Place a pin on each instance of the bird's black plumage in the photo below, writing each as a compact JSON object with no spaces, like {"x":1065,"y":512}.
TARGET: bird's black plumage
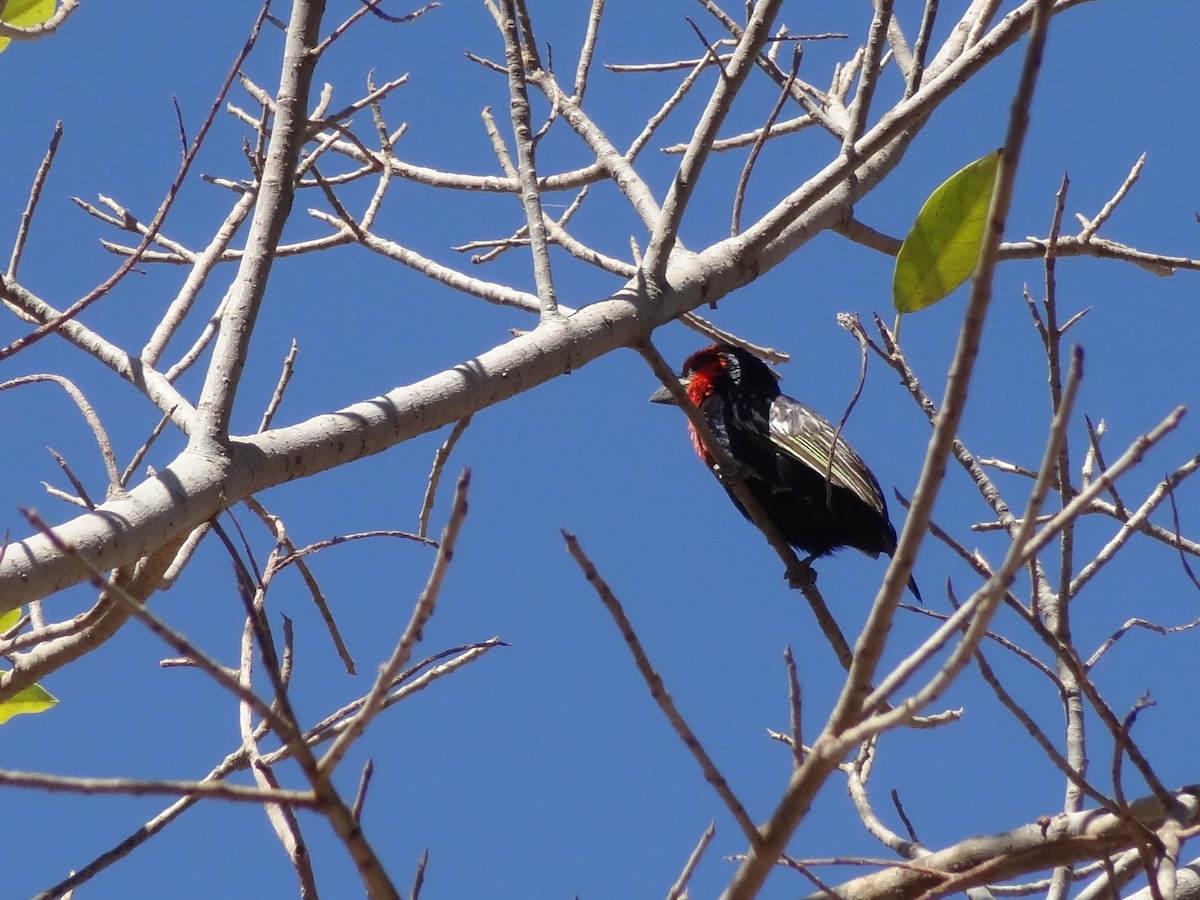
{"x":782,"y":450}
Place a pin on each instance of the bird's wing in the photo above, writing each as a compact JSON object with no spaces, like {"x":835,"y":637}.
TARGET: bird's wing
{"x":807,"y":436}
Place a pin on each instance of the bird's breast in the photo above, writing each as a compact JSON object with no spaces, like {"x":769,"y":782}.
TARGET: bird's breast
{"x":698,"y":446}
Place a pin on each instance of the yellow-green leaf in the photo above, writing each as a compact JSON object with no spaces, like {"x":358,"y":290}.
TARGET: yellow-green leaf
{"x":23,"y":13}
{"x":942,"y":249}
{"x":33,"y":699}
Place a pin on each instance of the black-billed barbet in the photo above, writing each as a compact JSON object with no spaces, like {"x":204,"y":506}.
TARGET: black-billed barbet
{"x":781,"y":449}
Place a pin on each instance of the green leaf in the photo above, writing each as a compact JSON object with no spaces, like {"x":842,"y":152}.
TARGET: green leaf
{"x":24,"y":13}
{"x":33,"y":699}
{"x":9,"y":619}
{"x":942,"y":249}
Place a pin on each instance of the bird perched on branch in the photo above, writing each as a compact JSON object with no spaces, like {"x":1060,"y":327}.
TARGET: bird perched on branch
{"x":781,"y":450}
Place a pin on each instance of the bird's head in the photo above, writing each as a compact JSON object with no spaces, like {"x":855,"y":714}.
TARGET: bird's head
{"x":722,"y":368}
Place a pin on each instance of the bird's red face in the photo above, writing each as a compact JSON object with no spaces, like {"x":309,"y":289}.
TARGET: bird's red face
{"x":702,"y":371}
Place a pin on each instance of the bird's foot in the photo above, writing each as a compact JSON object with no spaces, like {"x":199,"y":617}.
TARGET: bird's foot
{"x":801,"y":576}
{"x":738,"y":471}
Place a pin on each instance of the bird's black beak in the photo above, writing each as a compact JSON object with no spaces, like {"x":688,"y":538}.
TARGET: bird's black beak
{"x":662,"y":395}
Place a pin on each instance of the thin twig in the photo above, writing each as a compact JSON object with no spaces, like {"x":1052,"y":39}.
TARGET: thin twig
{"x":531,"y":194}
{"x":285,"y":376}
{"x":1129,"y":624}
{"x":795,"y":707}
{"x":80,"y":490}
{"x":1090,"y":228}
{"x":90,"y":416}
{"x":419,"y":875}
{"x":921,"y":48}
{"x":588,"y":48}
{"x":440,"y":458}
{"x":35,"y":194}
{"x":868,"y":77}
{"x":659,"y":692}
{"x":710,"y":51}
{"x":282,"y":818}
{"x":140,"y":787}
{"x":678,"y":890}
{"x":360,"y":797}
{"x":422,"y":610}
{"x":739,"y":193}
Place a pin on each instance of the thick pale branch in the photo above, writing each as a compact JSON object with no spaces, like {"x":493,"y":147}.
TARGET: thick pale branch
{"x":1060,"y":840}
{"x":92,"y":628}
{"x":274,"y":203}
{"x":198,"y":485}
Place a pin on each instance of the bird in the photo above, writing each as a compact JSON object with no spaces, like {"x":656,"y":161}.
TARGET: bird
{"x":781,"y":450}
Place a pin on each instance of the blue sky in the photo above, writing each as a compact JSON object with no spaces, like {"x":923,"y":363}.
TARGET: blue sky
{"x":545,"y":770}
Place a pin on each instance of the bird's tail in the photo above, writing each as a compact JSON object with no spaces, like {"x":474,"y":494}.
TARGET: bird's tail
{"x":916,"y":592}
